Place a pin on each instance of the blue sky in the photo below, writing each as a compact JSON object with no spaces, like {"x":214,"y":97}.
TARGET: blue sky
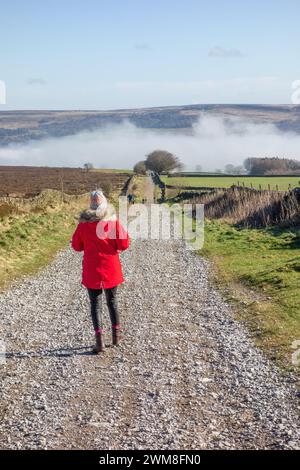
{"x":120,"y":54}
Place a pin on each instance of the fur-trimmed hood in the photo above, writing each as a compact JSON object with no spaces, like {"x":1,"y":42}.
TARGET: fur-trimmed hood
{"x":90,"y":215}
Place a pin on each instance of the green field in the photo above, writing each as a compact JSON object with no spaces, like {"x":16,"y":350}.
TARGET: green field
{"x":280,"y":182}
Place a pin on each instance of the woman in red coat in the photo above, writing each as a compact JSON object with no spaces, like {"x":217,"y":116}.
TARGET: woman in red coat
{"x":101,"y":237}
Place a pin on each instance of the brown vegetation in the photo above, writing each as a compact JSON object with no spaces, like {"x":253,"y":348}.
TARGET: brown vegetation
{"x":272,"y":166}
{"x":251,"y":208}
{"x":140,"y":168}
{"x":29,"y":181}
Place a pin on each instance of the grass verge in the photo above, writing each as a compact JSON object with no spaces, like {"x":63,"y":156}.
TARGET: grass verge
{"x":259,"y":271}
{"x":29,"y":241}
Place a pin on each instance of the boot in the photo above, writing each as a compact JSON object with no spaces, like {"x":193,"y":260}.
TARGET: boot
{"x":116,"y":336}
{"x":99,"y":346}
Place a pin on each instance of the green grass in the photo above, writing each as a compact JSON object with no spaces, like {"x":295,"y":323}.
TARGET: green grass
{"x":282,"y":182}
{"x":29,"y":242}
{"x":260,"y":269}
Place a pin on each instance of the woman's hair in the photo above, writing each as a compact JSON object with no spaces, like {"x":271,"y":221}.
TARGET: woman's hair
{"x":97,"y":199}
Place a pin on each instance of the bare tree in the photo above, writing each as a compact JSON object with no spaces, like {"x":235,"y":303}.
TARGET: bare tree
{"x":140,"y":168}
{"x":234,"y":170}
{"x":162,"y":160}
{"x":267,"y":166}
{"x":88,"y":166}
{"x":230,"y":169}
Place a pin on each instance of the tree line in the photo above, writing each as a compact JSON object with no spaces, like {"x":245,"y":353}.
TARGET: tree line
{"x":162,"y":161}
{"x":271,"y":166}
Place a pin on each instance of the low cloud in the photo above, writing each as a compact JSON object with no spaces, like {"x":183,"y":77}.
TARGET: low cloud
{"x":223,"y":53}
{"x":212,"y":143}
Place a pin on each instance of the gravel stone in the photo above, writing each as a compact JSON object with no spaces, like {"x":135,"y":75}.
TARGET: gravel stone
{"x":186,"y":375}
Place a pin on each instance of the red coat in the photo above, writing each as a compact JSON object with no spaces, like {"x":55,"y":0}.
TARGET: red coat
{"x":101,"y":241}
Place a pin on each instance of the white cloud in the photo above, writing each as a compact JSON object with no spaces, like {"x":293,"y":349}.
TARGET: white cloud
{"x":142,"y":46}
{"x":36,"y":81}
{"x":223,"y":53}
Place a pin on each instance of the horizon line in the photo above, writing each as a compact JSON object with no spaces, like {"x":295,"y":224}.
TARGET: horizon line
{"x":86,"y":110}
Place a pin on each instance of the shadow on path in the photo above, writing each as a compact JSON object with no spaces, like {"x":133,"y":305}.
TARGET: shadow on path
{"x":59,"y":352}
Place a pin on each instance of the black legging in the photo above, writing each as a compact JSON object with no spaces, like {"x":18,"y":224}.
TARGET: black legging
{"x":111,"y":300}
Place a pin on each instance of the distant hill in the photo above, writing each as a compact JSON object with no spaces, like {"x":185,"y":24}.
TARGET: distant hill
{"x":22,"y":126}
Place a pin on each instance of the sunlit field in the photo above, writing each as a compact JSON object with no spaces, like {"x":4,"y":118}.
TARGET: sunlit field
{"x":259,"y":182}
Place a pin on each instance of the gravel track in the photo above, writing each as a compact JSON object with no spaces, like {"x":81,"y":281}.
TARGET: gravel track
{"x":185,"y":376}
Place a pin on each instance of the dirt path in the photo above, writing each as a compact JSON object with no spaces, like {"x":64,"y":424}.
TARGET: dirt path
{"x":149,"y":190}
{"x":186,"y":375}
